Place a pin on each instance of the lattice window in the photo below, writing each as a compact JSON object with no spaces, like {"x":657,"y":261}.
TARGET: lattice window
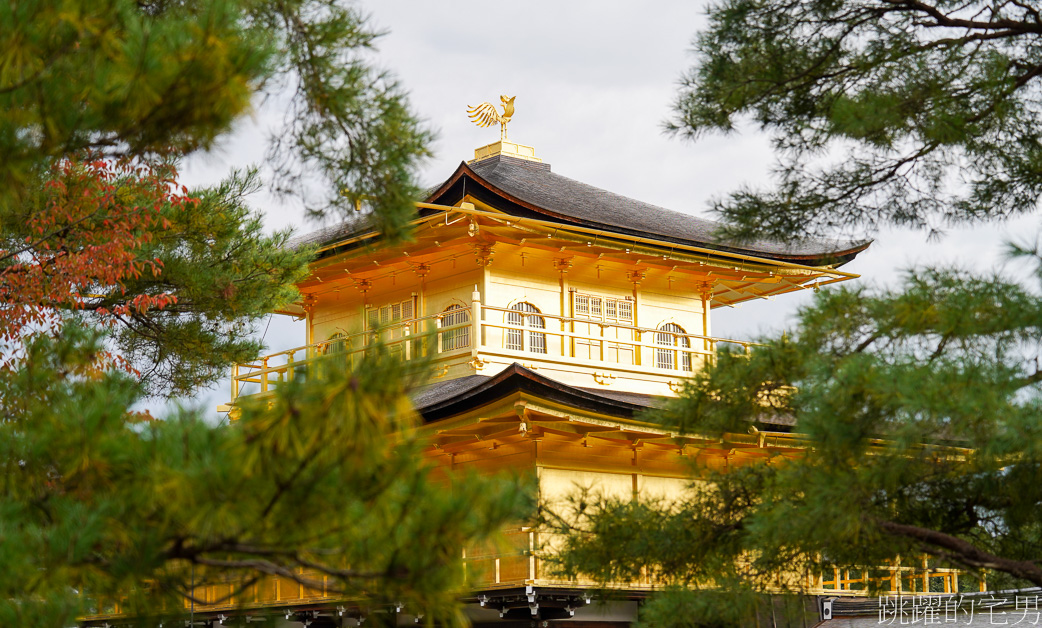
{"x":455,"y":338}
{"x":603,"y":308}
{"x":625,"y":311}
{"x":582,"y":304}
{"x":526,"y":315}
{"x":536,"y":340}
{"x":394,"y":319}
{"x":390,"y":314}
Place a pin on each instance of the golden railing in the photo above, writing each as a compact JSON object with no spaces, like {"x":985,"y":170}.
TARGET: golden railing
{"x":406,"y":337}
{"x":919,"y":579}
{"x":562,"y":337}
{"x":516,"y":561}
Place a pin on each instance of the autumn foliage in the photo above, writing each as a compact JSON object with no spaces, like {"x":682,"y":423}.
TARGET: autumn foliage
{"x":83,"y":241}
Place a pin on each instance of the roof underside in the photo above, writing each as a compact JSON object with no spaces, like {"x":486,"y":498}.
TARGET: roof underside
{"x":514,"y":203}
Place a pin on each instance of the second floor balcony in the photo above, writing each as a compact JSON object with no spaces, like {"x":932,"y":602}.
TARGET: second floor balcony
{"x":485,"y":338}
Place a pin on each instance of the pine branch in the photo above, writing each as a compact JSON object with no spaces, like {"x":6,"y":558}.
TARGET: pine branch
{"x":938,"y":543}
{"x":945,"y":20}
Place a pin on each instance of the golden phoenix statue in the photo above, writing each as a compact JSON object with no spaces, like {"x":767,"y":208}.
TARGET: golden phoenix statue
{"x":485,"y":114}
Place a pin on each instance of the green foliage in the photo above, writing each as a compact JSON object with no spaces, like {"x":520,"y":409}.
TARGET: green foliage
{"x":104,"y":259}
{"x":921,"y":114}
{"x":179,"y":279}
{"x":101,"y":504}
{"x":349,"y":125}
{"x":917,"y":408}
{"x":151,"y":82}
{"x":129,"y":78}
{"x":225,"y":272}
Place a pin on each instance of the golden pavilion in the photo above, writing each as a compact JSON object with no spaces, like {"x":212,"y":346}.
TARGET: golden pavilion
{"x":561,"y":312}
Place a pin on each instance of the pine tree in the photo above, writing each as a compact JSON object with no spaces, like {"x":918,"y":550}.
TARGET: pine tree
{"x":327,"y":486}
{"x":116,"y":282}
{"x":146,"y":83}
{"x":920,"y":404}
{"x":168,"y":77}
{"x":176,"y":277}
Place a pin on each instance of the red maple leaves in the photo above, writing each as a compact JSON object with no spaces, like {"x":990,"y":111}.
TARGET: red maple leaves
{"x":82,"y":239}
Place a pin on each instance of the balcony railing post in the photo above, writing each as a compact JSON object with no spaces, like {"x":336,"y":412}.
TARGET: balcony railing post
{"x":532,"y":544}
{"x":475,"y":322}
{"x":438,"y":324}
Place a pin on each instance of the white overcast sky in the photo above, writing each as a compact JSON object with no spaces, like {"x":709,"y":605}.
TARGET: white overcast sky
{"x":594,"y":81}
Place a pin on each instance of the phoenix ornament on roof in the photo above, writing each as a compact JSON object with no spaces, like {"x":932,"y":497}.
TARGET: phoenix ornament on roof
{"x":486,"y":114}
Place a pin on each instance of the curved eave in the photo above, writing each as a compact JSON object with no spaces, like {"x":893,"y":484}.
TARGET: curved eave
{"x":516,"y":378}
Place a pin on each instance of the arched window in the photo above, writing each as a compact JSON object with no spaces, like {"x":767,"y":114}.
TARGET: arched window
{"x":526,"y":315}
{"x":457,"y":338}
{"x":674,"y":358}
{"x":337,"y":343}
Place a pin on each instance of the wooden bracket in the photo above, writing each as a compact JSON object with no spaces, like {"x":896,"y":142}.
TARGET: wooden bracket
{"x":483,"y":254}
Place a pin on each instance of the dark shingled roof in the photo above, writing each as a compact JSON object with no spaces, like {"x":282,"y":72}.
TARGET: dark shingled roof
{"x":433,"y":394}
{"x":452,"y":397}
{"x":448,"y":398}
{"x":538,"y":192}
{"x":436,"y":393}
{"x":332,"y":233}
{"x":530,"y":189}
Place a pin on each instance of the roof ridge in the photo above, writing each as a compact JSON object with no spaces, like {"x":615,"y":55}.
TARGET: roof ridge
{"x":512,"y":161}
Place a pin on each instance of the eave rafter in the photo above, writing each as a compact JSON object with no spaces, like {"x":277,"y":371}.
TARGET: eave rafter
{"x":527,"y":422}
{"x":522,"y":423}
{"x":735,"y":277}
{"x":462,"y":434}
